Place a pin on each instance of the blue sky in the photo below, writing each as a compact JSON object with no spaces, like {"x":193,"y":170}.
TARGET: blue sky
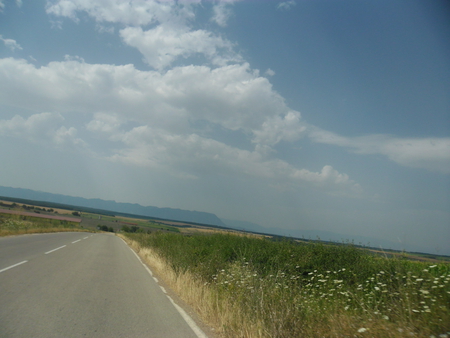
{"x":326,"y":116}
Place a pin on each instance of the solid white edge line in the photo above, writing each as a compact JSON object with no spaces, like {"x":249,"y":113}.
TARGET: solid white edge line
{"x":54,"y":249}
{"x":186,"y":317}
{"x":189,"y":320}
{"x":12,"y":266}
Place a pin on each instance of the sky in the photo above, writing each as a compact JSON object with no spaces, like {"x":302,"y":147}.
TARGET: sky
{"x":305,"y":115}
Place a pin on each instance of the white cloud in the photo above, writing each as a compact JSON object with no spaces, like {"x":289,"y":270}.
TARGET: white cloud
{"x":426,"y":153}
{"x":163,"y":45}
{"x":133,"y":12}
{"x":10,"y":43}
{"x":191,"y":156}
{"x":222,"y":13}
{"x":41,"y":128}
{"x":286,"y":5}
{"x":231,"y":96}
{"x":269,"y":72}
{"x":2,"y":5}
{"x":163,"y":106}
{"x":287,"y":128}
{"x":104,"y":123}
{"x":19,"y":3}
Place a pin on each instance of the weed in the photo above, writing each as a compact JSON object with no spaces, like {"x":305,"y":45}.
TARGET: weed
{"x":260,"y":288}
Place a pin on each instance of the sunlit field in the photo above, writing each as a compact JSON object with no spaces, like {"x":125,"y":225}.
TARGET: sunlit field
{"x":253,"y":287}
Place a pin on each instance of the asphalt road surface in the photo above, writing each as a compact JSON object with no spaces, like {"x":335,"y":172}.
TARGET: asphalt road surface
{"x":82,"y":285}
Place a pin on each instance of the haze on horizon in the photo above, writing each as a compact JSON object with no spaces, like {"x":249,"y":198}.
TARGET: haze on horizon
{"x":299,"y":115}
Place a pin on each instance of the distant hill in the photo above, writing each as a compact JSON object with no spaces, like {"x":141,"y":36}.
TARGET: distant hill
{"x":127,"y":208}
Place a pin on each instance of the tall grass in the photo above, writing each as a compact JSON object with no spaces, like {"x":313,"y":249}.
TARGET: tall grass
{"x":252,"y":287}
{"x":18,"y":224}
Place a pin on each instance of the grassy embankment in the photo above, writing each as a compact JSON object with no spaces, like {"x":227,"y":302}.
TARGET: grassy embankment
{"x":19,"y":224}
{"x":252,"y":287}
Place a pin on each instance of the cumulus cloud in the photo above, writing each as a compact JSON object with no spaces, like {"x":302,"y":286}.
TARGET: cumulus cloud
{"x":269,"y":72}
{"x":231,"y":96}
{"x":222,"y":12}
{"x":104,"y":123}
{"x":163,"y":106}
{"x":42,"y":128}
{"x":163,"y":44}
{"x":427,"y":153}
{"x":133,"y":13}
{"x":280,"y":128}
{"x":192,"y":156}
{"x":10,"y":43}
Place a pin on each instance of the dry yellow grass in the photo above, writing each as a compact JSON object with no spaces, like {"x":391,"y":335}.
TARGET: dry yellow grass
{"x":187,"y":287}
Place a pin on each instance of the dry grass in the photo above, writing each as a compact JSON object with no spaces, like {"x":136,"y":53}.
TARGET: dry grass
{"x":190,"y":289}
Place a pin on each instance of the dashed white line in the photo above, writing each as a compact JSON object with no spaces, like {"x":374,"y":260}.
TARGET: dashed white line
{"x":54,"y":249}
{"x":12,"y":266}
{"x":76,"y":241}
{"x":86,"y":237}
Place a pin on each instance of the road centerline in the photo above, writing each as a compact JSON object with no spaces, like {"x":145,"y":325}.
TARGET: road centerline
{"x":55,"y":249}
{"x":12,"y":266}
{"x":76,"y":241}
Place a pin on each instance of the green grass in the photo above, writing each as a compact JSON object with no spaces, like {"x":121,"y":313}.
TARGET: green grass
{"x":19,"y":224}
{"x":263,"y":288}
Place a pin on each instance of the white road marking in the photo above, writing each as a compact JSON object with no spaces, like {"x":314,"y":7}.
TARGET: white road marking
{"x":12,"y":266}
{"x":186,"y":317}
{"x":76,"y":241}
{"x":189,"y":320}
{"x":162,"y":288}
{"x":86,"y":237}
{"x":54,"y":249}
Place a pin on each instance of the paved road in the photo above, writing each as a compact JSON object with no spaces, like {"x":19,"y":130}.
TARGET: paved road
{"x":81,"y":285}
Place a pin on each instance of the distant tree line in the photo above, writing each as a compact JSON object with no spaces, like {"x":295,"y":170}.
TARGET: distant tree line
{"x":105,"y":228}
{"x":133,"y":228}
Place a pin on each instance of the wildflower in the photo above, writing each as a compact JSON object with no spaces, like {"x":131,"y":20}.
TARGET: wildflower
{"x":362,"y":329}
{"x":385,"y":317}
{"x":425,"y":292}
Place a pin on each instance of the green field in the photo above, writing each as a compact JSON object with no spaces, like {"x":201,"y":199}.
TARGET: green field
{"x":264,"y":288}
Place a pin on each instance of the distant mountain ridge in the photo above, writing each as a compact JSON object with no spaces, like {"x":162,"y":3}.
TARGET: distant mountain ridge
{"x":129,"y":208}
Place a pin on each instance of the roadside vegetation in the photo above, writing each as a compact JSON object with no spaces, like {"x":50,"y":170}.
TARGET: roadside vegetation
{"x":19,"y":224}
{"x":252,"y":287}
